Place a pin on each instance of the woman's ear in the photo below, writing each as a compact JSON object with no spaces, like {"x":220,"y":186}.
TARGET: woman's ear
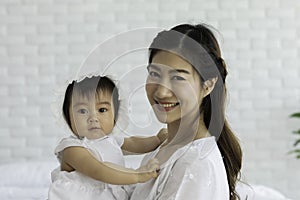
{"x":209,"y":85}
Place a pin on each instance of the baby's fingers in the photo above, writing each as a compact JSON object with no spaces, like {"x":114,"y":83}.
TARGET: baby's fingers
{"x":153,"y":161}
{"x":153,"y":165}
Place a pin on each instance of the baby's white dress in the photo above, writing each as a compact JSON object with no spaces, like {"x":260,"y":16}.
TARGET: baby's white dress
{"x":76,"y":186}
{"x":195,"y":171}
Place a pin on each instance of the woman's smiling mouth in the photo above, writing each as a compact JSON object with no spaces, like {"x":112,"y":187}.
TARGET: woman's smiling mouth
{"x":166,"y":106}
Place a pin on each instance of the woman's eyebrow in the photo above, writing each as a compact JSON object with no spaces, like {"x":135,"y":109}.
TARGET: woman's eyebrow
{"x":153,"y":66}
{"x":171,"y":71}
{"x":179,"y":71}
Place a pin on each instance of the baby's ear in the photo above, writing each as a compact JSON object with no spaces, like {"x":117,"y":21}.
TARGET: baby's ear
{"x":209,"y":85}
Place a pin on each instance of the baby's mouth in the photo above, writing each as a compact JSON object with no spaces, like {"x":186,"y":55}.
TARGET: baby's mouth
{"x":94,"y":128}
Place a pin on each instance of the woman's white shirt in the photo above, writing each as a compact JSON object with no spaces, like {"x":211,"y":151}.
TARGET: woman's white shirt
{"x":195,"y":171}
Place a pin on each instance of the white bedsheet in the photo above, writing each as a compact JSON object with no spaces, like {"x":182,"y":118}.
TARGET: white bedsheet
{"x":26,"y":180}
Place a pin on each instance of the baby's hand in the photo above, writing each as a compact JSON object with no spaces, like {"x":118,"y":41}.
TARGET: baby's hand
{"x":148,"y":171}
{"x":162,"y":135}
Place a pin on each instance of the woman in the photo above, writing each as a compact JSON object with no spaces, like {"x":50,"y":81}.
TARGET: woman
{"x":201,"y":159}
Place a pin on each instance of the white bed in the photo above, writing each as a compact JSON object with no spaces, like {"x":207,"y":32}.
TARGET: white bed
{"x":25,"y":180}
{"x":30,"y":181}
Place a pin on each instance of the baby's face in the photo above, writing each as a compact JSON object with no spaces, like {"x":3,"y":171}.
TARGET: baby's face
{"x":92,"y":117}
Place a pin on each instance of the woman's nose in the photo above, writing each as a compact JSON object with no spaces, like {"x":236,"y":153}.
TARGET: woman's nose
{"x":163,"y":91}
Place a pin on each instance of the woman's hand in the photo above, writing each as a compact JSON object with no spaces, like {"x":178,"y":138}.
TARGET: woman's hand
{"x":148,"y":171}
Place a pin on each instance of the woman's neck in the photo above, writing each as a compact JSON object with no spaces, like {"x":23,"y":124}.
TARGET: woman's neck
{"x":187,"y":130}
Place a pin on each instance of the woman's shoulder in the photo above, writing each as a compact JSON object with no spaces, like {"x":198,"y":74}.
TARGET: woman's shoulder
{"x":201,"y":151}
{"x":204,"y":147}
{"x":204,"y":159}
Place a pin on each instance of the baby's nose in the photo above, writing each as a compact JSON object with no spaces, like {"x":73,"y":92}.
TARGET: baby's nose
{"x":93,"y":118}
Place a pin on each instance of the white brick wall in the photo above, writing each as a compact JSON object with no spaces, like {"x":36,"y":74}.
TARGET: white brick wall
{"x":43,"y":42}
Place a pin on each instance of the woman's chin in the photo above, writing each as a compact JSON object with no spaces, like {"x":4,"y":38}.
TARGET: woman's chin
{"x":164,"y":118}
{"x":161,"y":116}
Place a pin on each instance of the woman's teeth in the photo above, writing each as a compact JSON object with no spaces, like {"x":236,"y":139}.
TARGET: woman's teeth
{"x":168,"y":105}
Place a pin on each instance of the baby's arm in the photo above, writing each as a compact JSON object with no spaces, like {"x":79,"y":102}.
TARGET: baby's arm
{"x":137,"y":144}
{"x":146,"y":172}
{"x":81,"y":160}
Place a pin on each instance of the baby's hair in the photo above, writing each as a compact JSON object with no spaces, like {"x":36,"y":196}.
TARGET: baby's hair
{"x":90,"y":87}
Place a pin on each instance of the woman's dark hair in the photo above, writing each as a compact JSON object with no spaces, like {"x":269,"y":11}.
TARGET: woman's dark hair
{"x":197,"y":45}
{"x":90,"y":87}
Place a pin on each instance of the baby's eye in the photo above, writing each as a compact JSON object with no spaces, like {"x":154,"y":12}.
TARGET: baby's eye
{"x":83,"y":111}
{"x":178,"y":78}
{"x":102,"y":110}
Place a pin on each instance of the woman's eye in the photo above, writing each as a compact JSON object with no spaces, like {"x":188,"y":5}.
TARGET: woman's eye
{"x":153,"y":74}
{"x":102,"y":110}
{"x":178,"y":78}
{"x":82,"y":111}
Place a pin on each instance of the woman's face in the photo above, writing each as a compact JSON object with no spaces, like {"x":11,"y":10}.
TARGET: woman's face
{"x":173,"y":88}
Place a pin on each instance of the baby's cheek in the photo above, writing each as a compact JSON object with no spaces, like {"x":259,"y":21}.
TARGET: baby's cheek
{"x":107,"y":125}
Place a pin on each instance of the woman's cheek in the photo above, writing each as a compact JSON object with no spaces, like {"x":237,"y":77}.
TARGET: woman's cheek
{"x":150,"y":88}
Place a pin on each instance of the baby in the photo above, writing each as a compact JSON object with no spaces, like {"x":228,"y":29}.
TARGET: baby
{"x":92,"y":162}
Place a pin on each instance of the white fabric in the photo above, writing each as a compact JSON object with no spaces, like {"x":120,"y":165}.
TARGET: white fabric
{"x":29,"y":174}
{"x":25,"y":180}
{"x":74,"y":185}
{"x":195,"y":171}
{"x":30,"y":181}
{"x":258,"y":192}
